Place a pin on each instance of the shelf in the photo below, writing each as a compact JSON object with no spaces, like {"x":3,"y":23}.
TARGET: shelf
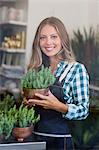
{"x":10,"y":76}
{"x":14,"y":72}
{"x":13,"y":25}
{"x":12,"y":22}
{"x":12,"y":50}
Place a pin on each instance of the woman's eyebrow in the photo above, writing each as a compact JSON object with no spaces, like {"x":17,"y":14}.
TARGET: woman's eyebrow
{"x":50,"y":34}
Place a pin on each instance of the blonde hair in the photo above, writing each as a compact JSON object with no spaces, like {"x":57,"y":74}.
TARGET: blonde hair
{"x":36,"y":58}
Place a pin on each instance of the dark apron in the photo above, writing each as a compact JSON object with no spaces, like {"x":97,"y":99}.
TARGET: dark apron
{"x":52,"y":121}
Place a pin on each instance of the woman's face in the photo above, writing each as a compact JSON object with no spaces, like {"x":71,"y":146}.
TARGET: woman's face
{"x":50,"y":42}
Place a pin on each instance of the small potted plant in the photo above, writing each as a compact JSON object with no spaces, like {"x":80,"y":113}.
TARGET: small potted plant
{"x":37,"y":81}
{"x":25,"y":120}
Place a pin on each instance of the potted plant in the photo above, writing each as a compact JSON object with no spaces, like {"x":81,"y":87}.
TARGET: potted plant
{"x":25,"y":120}
{"x":37,"y":81}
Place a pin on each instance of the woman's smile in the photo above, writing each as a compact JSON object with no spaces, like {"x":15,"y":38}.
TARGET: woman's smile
{"x":49,"y":48}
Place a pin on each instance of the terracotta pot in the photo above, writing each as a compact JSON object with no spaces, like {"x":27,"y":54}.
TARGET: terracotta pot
{"x":30,"y":93}
{"x":21,"y":133}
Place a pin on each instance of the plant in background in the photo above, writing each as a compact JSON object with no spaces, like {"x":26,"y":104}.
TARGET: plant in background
{"x":38,"y":79}
{"x":6,"y":124}
{"x":21,"y":117}
{"x":25,"y":120}
{"x":1,"y":123}
{"x":6,"y":103}
{"x":86,"y":45}
{"x":24,"y":116}
{"x":6,"y":118}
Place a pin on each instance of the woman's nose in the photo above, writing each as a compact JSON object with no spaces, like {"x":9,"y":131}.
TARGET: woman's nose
{"x":48,"y":40}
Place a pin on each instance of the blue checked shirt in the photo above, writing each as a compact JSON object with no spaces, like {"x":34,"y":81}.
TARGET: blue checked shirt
{"x":76,"y":90}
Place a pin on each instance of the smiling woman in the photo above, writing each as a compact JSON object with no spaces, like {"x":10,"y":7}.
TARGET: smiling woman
{"x":68,"y":98}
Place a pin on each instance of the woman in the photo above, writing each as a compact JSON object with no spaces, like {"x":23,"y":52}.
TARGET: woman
{"x":68,"y":99}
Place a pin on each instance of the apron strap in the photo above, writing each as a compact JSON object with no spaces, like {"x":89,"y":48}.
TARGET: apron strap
{"x":67,"y":69}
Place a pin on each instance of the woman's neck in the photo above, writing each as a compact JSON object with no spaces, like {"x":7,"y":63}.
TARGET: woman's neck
{"x":53,"y":63}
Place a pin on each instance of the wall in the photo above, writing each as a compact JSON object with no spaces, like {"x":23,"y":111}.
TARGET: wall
{"x":74,"y":14}
{"x":93,"y":12}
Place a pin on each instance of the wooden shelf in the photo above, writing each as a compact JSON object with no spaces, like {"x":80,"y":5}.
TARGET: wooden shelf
{"x":10,"y":50}
{"x":12,"y":22}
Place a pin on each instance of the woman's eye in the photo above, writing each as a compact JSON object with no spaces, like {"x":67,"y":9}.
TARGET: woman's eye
{"x":42,"y":38}
{"x":54,"y":37}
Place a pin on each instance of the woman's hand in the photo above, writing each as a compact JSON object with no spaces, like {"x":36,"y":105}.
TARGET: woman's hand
{"x":49,"y":102}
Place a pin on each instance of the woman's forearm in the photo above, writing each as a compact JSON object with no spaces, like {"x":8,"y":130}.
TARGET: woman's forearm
{"x":61,"y":107}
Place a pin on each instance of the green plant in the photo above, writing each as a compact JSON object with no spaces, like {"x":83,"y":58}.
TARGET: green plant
{"x":24,"y":116}
{"x":85,"y":44}
{"x":6,"y":123}
{"x":6,"y":103}
{"x":1,"y":123}
{"x":34,"y":79}
{"x":6,"y":118}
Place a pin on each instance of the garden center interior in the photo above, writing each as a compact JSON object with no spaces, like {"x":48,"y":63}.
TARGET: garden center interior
{"x":18,"y":22}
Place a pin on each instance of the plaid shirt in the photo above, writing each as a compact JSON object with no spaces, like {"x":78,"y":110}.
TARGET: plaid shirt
{"x":76,"y":90}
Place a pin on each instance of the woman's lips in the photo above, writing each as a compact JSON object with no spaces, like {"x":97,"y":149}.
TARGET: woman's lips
{"x":49,"y":48}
